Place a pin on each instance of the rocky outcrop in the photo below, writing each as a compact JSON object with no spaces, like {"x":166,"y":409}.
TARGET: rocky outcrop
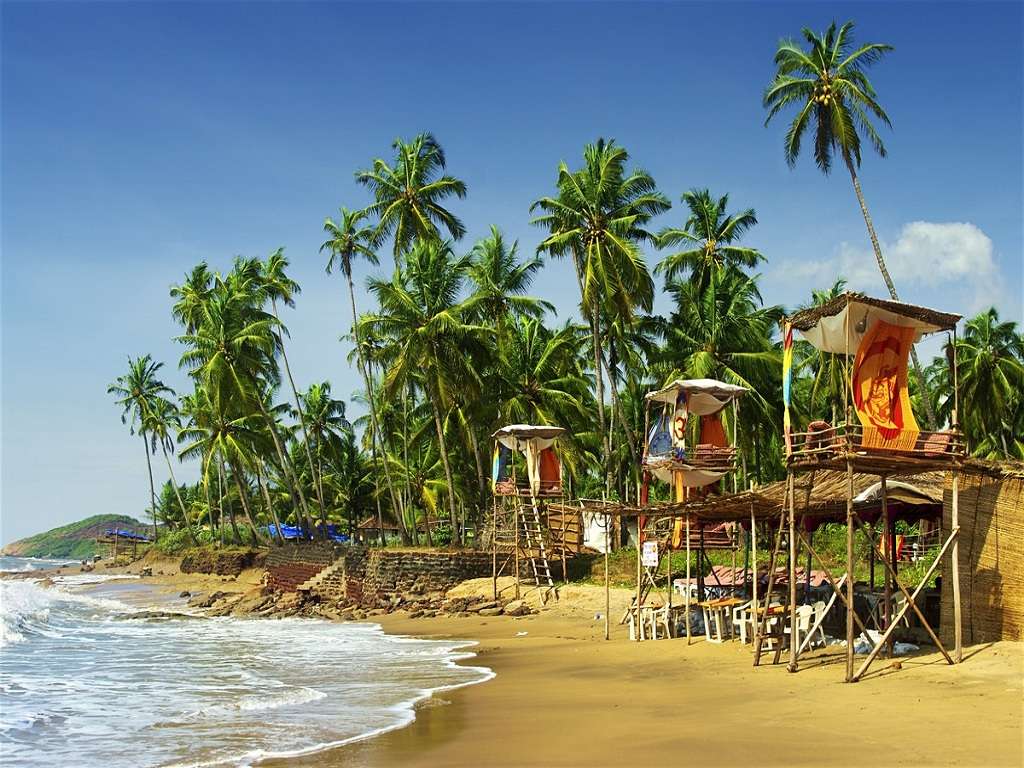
{"x":219,"y":562}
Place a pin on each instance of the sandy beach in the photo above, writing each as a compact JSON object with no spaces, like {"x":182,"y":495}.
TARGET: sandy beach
{"x":564,"y":696}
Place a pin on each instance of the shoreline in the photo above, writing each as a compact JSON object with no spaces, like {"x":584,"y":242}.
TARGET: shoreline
{"x":562,"y":695}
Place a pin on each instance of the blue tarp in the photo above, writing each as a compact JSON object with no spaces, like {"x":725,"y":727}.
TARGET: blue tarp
{"x":126,"y":534}
{"x":294,"y":533}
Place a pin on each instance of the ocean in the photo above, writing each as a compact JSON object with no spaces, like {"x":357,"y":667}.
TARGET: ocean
{"x":83,"y":683}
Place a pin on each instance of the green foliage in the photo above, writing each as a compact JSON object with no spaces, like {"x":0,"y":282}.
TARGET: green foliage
{"x":176,"y":542}
{"x":75,"y":541}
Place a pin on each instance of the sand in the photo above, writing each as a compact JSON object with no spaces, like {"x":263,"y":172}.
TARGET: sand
{"x":564,"y":696}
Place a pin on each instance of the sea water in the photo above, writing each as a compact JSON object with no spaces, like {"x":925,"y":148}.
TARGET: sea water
{"x":83,"y":683}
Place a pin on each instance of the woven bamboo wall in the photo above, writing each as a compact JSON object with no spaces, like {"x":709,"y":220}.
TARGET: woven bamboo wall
{"x":991,"y":515}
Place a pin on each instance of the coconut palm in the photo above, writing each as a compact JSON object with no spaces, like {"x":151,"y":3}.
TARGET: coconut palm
{"x":424,"y":327}
{"x":500,"y":281}
{"x":278,"y":286}
{"x":408,"y":195}
{"x":350,"y":238}
{"x":598,"y":219}
{"x":708,"y":237}
{"x":192,"y":295}
{"x":990,"y":360}
{"x":161,"y":420}
{"x":137,"y":393}
{"x":828,"y":86}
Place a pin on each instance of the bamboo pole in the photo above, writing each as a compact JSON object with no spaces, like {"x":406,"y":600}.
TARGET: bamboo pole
{"x":762,"y":622}
{"x":836,"y":585}
{"x":607,"y":593}
{"x":639,"y":578}
{"x":518,"y":501}
{"x":792,"y":666}
{"x":910,"y":599}
{"x":849,"y":568}
{"x":686,"y":597}
{"x":958,"y":650}
{"x":494,"y":543}
{"x":753,"y":557}
{"x":888,"y":544}
{"x":953,"y":537}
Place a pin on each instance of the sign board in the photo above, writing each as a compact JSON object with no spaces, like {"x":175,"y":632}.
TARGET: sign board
{"x":649,"y":555}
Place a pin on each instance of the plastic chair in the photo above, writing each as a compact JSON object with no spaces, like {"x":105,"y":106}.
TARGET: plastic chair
{"x":803,"y":623}
{"x":741,"y":617}
{"x":818,"y":618}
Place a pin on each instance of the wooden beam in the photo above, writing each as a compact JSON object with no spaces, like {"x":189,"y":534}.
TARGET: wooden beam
{"x":910,"y":604}
{"x":836,"y":586}
{"x":958,"y":649}
{"x":849,"y":561}
{"x":910,"y":600}
{"x":792,"y":666}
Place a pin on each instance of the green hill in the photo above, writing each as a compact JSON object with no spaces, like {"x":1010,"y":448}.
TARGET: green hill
{"x":76,"y":541}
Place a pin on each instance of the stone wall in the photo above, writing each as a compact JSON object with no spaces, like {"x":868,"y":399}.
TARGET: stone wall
{"x":291,"y":565}
{"x":370,"y":574}
{"x":229,"y":563}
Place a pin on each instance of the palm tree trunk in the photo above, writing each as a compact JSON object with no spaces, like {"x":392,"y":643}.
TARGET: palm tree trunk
{"x":405,"y":452}
{"x":225,"y":499}
{"x":270,"y":505}
{"x":152,"y":488}
{"x":209,"y":502}
{"x":443,"y":445}
{"x":481,"y":482}
{"x":177,"y":493}
{"x":244,"y":497}
{"x":370,"y":400}
{"x":918,"y":374}
{"x":295,"y":486}
{"x":317,"y":484}
{"x":623,"y":421}
{"x":595,"y":337}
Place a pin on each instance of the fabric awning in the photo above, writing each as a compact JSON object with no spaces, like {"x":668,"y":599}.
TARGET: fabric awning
{"x":827,"y":327}
{"x":517,"y":436}
{"x":703,"y":396}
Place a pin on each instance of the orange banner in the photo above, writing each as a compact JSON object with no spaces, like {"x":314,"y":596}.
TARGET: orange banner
{"x":880,"y":387}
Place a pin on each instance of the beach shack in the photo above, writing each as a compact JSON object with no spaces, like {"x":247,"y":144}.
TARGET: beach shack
{"x":876,"y":433}
{"x":525,"y":532}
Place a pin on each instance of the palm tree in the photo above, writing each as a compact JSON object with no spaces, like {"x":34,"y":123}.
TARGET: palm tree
{"x":348,"y":239}
{"x":708,"y":237}
{"x":829,"y":86}
{"x":723,"y":332}
{"x":277,"y":285}
{"x":424,"y":326}
{"x":162,"y":418}
{"x":408,"y":196}
{"x":137,"y":393}
{"x":598,"y":219}
{"x":500,"y":281}
{"x":990,"y":360}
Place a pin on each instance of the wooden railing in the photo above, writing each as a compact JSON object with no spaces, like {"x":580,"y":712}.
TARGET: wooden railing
{"x":828,"y":441}
{"x":710,"y":458}
{"x":548,"y":489}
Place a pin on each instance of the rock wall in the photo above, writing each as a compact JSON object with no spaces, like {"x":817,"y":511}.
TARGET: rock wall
{"x":230,"y":563}
{"x":291,"y":565}
{"x":371,"y":574}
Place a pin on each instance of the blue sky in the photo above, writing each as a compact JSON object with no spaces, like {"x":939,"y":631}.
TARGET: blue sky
{"x":141,"y":138}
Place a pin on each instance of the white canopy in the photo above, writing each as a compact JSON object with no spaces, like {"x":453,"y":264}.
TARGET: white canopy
{"x":517,"y":436}
{"x":826,"y":327}
{"x":703,"y":396}
{"x":896,"y":491}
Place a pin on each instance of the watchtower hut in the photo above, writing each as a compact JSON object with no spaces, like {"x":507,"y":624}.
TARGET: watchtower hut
{"x":877,"y":433}
{"x":525,"y":536}
{"x":687,"y":446}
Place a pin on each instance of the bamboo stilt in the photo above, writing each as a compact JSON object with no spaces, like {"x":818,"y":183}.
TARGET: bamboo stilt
{"x":849,"y":570}
{"x":888,"y":544}
{"x":958,"y":650}
{"x":792,"y":666}
{"x":607,"y":593}
{"x":686,"y":597}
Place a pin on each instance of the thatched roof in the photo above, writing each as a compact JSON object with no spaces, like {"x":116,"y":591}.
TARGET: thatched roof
{"x":828,"y":491}
{"x":808,"y":318}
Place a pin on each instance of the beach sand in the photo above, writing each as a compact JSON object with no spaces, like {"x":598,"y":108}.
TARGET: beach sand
{"x":564,"y":696}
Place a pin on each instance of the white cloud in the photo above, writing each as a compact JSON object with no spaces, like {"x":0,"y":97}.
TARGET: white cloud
{"x":926,"y":256}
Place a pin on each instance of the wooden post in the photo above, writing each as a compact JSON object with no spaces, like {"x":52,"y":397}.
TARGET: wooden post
{"x":958,"y":650}
{"x":735,"y":438}
{"x":639,"y":578}
{"x":494,"y":543}
{"x":889,"y":545}
{"x":686,"y":596}
{"x":607,"y":595}
{"x":753,"y":557}
{"x":849,"y":568}
{"x":792,"y":667}
{"x":516,"y":524}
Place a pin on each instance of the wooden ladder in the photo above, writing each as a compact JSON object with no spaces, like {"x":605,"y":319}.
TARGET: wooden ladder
{"x":536,"y":553}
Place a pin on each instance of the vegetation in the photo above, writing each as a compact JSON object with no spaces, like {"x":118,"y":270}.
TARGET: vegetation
{"x":75,"y":541}
{"x":454,"y":346}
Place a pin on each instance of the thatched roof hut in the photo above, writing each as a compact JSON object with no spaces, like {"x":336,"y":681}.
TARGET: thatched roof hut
{"x":991,"y":518}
